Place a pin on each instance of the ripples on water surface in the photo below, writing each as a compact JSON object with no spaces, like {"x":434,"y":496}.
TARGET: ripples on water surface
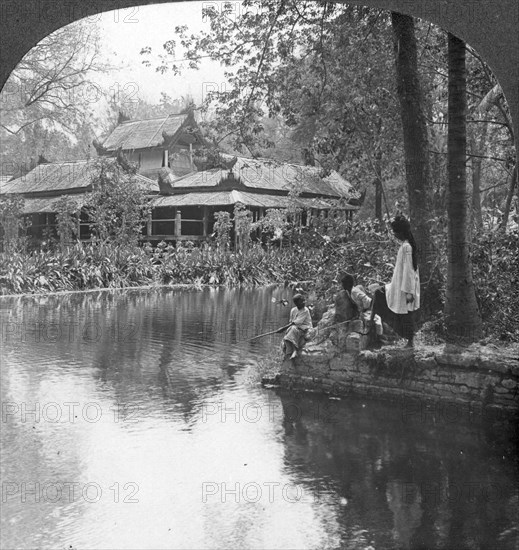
{"x":168,"y":441}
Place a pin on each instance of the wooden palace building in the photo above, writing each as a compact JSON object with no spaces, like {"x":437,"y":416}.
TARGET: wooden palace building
{"x":184,"y":186}
{"x":156,"y":143}
{"x":185,"y":206}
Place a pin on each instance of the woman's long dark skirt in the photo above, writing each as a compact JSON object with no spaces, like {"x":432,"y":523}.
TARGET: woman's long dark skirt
{"x":401,"y":323}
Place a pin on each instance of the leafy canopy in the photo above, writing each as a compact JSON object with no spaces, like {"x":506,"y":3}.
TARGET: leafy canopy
{"x":323,"y":69}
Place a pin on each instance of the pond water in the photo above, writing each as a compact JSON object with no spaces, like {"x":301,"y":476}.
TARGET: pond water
{"x":136,"y":420}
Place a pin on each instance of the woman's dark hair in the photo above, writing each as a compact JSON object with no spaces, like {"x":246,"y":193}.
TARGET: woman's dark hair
{"x":402,"y":228}
{"x":347,"y":281}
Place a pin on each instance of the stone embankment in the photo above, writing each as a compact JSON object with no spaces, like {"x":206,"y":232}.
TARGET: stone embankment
{"x":481,"y":378}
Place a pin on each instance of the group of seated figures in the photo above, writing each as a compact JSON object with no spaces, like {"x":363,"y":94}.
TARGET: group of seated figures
{"x":351,"y":316}
{"x":379,"y":307}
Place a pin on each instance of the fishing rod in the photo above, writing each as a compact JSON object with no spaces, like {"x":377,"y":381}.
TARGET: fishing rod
{"x":268,"y":333}
{"x":344,"y":323}
{"x":317,"y":330}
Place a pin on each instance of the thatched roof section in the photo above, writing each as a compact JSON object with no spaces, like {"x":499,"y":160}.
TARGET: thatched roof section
{"x":229,"y":198}
{"x":58,"y":178}
{"x":145,"y":134}
{"x":264,"y":175}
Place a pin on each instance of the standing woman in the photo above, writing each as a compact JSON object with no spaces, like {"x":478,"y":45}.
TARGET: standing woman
{"x":397,"y":302}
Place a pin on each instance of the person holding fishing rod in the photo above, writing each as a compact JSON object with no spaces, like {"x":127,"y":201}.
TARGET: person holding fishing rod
{"x":300,"y":322}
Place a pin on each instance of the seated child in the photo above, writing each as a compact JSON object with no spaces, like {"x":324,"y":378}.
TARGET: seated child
{"x":345,"y":306}
{"x":300,"y":322}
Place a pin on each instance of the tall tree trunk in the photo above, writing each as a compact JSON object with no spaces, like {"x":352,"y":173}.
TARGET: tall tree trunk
{"x":462,"y":315}
{"x":378,"y":185}
{"x":416,"y":145}
{"x":509,"y":197}
{"x":476,"y":191}
{"x":378,"y":199}
{"x":478,"y":148}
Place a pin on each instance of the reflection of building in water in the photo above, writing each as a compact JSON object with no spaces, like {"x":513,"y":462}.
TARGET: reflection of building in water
{"x":185,"y":342}
{"x":178,"y":344}
{"x":404,"y":500}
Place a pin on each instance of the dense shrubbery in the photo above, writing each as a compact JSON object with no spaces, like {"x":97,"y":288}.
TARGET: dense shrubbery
{"x":93,"y":265}
{"x":495,"y":256}
{"x":368,"y":253}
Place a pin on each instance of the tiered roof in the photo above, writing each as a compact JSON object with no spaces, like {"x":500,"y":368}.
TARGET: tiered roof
{"x":258,"y":182}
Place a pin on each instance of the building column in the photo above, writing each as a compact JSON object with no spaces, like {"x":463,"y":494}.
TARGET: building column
{"x":178,"y":223}
{"x":235,"y":236}
{"x":149,"y":225}
{"x":205,"y":221}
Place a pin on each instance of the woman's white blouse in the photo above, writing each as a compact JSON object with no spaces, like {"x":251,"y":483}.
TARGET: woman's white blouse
{"x":405,"y":280}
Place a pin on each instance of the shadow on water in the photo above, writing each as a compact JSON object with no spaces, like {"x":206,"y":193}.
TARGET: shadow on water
{"x":405,"y":478}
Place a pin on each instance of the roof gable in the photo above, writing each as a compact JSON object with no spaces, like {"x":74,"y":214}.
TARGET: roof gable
{"x":143,"y":134}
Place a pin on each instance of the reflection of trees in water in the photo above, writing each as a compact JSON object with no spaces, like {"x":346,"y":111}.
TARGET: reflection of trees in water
{"x":199,"y":333}
{"x":186,"y":340}
{"x":176,"y":344}
{"x":406,"y":483}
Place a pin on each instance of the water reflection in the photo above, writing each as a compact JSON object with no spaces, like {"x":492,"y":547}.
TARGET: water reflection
{"x":404,"y":483}
{"x":136,"y":421}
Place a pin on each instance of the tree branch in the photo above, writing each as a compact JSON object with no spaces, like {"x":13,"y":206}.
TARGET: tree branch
{"x":470,"y":155}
